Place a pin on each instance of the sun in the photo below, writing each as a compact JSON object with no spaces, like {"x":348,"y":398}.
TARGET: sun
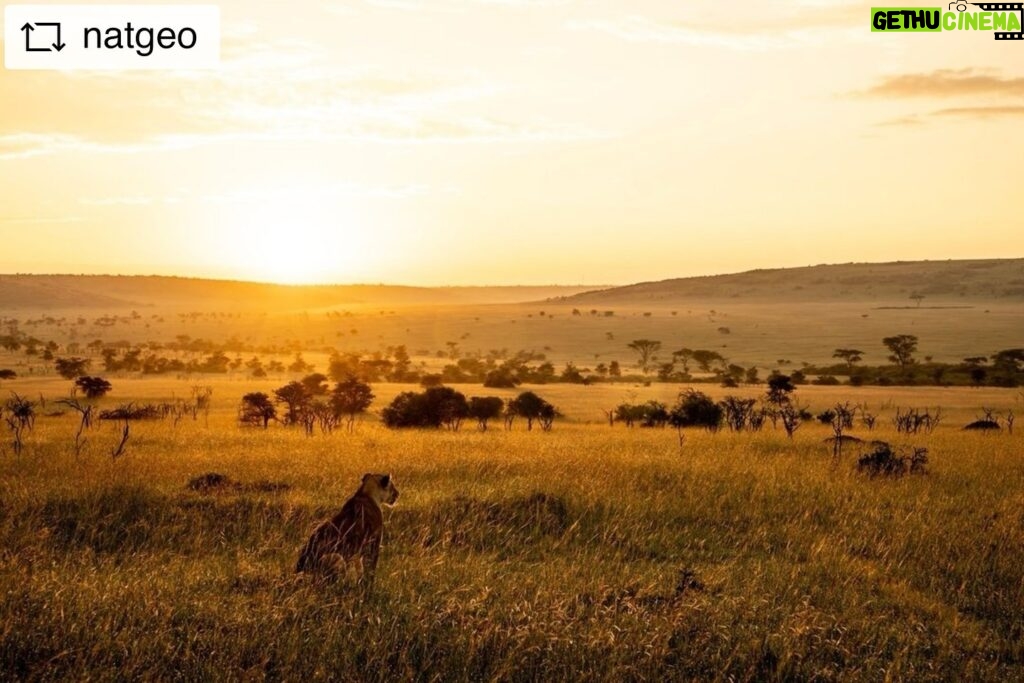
{"x":292,"y":238}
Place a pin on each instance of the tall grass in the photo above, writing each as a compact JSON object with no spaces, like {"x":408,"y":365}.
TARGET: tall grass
{"x":513,"y":556}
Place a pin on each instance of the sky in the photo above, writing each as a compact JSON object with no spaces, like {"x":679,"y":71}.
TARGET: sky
{"x":453,"y":142}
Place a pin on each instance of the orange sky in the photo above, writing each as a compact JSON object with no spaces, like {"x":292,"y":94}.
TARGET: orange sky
{"x":520,"y":141}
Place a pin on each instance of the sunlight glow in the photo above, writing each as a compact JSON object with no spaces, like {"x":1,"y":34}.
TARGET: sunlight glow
{"x":291,"y":238}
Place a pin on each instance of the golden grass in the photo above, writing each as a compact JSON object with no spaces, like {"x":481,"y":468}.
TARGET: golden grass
{"x":515,"y":555}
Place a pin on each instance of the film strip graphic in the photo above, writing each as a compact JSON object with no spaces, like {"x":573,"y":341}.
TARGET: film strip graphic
{"x":1005,"y":7}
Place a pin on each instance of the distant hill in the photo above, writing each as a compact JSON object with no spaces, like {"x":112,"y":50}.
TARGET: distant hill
{"x":128,"y":291}
{"x":939,"y":282}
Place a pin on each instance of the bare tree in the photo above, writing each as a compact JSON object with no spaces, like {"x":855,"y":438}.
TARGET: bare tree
{"x":85,"y":412}
{"x":118,"y":450}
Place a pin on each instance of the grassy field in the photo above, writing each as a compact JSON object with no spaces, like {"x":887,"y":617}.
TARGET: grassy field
{"x":515,"y":555}
{"x":758,"y":334}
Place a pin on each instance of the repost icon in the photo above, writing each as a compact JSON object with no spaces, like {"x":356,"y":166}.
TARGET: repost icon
{"x":111,"y":37}
{"x":32,"y":34}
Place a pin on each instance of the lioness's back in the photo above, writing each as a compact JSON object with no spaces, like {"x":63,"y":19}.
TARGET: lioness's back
{"x":354,"y":533}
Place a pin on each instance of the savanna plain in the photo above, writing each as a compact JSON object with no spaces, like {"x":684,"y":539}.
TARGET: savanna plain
{"x":587,"y":552}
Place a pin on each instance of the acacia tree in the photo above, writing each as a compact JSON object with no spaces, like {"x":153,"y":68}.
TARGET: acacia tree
{"x":779,"y":388}
{"x":351,"y":397}
{"x":530,"y":406}
{"x":257,"y":408}
{"x":683,"y":357}
{"x":851,"y":356}
{"x":316,"y":383}
{"x":485,"y":408}
{"x":706,"y":358}
{"x":71,"y":368}
{"x":646,"y":350}
{"x":901,"y":348}
{"x":93,"y":387}
{"x":296,"y":398}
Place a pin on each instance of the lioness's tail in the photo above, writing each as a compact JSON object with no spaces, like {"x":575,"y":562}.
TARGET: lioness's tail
{"x":309,"y":556}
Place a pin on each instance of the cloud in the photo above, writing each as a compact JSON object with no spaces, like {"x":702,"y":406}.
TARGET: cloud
{"x":397,"y":132}
{"x":304,"y":193}
{"x":945,"y":83}
{"x":965,"y":84}
{"x":905,"y":121}
{"x":28,"y":145}
{"x":41,"y":220}
{"x":980,"y":112}
{"x":305,"y":101}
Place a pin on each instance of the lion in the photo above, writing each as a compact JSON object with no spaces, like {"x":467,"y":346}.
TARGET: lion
{"x":352,"y":537}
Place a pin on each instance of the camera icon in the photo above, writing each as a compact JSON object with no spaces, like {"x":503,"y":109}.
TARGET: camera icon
{"x":960,"y":6}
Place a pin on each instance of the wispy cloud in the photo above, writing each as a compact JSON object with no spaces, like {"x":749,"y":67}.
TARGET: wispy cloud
{"x":306,"y":193}
{"x":981,"y":112}
{"x":40,"y":220}
{"x":967,"y":84}
{"x":945,"y":83}
{"x":902,"y":121}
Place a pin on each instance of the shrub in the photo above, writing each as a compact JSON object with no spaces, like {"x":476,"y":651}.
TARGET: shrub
{"x":741,"y":413}
{"x":432,"y":408}
{"x":883,"y":461}
{"x":696,"y":409}
{"x":650,"y":414}
{"x":501,"y":378}
{"x":131,"y":411}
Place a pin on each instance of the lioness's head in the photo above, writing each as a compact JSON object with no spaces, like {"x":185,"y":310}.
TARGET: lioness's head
{"x":380,"y":487}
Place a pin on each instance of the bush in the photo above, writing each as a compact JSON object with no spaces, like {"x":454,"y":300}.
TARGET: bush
{"x":883,"y":461}
{"x":131,"y":411}
{"x":500,"y":378}
{"x":696,"y":409}
{"x":650,"y":414}
{"x":432,"y":408}
{"x":430,"y":381}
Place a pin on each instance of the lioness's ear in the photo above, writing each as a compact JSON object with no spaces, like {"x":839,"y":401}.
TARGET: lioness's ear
{"x":385,"y":480}
{"x":366,"y":476}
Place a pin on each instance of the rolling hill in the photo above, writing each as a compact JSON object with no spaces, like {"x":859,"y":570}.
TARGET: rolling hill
{"x":938,"y":282}
{"x":38,"y":292}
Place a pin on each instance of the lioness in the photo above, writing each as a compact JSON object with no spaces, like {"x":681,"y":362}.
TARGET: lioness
{"x":353,"y":535}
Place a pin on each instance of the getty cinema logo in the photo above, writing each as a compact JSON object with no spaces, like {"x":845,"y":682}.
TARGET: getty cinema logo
{"x":998,"y":17}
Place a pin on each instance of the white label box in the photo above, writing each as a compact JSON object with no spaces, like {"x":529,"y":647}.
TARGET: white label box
{"x":111,"y":37}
